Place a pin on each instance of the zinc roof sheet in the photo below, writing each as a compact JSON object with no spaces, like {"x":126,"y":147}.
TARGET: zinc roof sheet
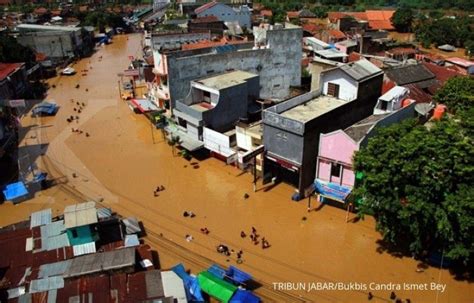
{"x":52,"y":296}
{"x":154,"y":284}
{"x":173,"y":286}
{"x":100,"y":262}
{"x":104,"y":212}
{"x":46,"y":284}
{"x":131,"y":225}
{"x":83,"y":249}
{"x":360,"y":70}
{"x":131,"y":240}
{"x":41,"y":217}
{"x":80,"y":214}
{"x":53,"y":269}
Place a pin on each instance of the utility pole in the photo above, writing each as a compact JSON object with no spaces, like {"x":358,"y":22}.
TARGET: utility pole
{"x":120,"y":90}
{"x":255,"y":173}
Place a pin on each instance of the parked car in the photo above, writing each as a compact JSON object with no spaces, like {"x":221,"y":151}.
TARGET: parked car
{"x":68,"y":71}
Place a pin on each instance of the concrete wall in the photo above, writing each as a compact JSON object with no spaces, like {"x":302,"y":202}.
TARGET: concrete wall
{"x":228,"y":14}
{"x":174,"y":41}
{"x":337,"y":146}
{"x":232,"y":105}
{"x":347,"y":85}
{"x":315,"y":69}
{"x":278,"y":66}
{"x":52,"y":44}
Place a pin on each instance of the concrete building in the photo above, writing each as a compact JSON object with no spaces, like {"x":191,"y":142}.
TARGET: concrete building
{"x":275,"y":56}
{"x":335,"y":176}
{"x":207,"y":115}
{"x":162,"y":44}
{"x":57,"y":42}
{"x":13,"y":82}
{"x":317,"y":66}
{"x":291,"y":129}
{"x":226,"y":13}
{"x":249,"y":138}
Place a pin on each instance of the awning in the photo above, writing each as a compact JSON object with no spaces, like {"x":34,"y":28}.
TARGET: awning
{"x":185,"y":141}
{"x":216,"y":287}
{"x":144,"y":105}
{"x":332,"y":190}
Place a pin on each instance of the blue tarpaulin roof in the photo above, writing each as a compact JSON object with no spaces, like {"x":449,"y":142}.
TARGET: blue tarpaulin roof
{"x":237,"y":275}
{"x":15,"y":190}
{"x":191,"y":284}
{"x":244,"y":296}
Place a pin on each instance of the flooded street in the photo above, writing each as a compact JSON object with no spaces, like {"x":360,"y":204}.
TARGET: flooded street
{"x":123,"y":160}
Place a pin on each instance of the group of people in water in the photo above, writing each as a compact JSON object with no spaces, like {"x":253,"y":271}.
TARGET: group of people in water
{"x":254,"y":238}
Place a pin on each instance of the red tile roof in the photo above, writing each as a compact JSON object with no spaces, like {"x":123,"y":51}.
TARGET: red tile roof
{"x":204,"y":7}
{"x":418,"y":94}
{"x":381,"y":25}
{"x":379,"y":15}
{"x":334,"y":16}
{"x":312,"y":28}
{"x":293,"y":14}
{"x":7,"y":68}
{"x":442,"y":73}
{"x":40,"y":57}
{"x":266,"y":13}
{"x":336,"y":33}
{"x":206,"y":19}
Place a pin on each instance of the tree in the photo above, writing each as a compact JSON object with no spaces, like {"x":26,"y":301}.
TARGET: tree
{"x":320,"y":12}
{"x":457,"y":94}
{"x":419,"y":185}
{"x":11,"y":51}
{"x":402,"y":19}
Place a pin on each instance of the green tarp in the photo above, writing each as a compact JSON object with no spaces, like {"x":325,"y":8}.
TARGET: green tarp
{"x":216,"y":287}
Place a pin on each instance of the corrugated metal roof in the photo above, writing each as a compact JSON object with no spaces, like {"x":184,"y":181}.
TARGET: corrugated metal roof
{"x":26,"y":298}
{"x":29,"y":244}
{"x":98,"y":262}
{"x":360,"y":70}
{"x":131,"y":225}
{"x":80,"y":214}
{"x":46,"y":284}
{"x":154,"y":285}
{"x":53,"y":236}
{"x":53,"y":269}
{"x":131,"y":240}
{"x":16,"y":292}
{"x":173,"y":286}
{"x":41,"y":217}
{"x":103,"y":213}
{"x":83,"y":249}
{"x":52,"y":296}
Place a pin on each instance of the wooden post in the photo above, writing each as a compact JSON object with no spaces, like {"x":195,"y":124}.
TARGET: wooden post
{"x":349,"y":207}
{"x":309,"y":202}
{"x":255,"y":174}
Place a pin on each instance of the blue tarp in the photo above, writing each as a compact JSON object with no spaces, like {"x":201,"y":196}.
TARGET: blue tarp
{"x":244,"y":296}
{"x":217,"y":271}
{"x":237,"y":275}
{"x":45,"y":108}
{"x":191,"y":284}
{"x":332,"y":190}
{"x":15,"y":190}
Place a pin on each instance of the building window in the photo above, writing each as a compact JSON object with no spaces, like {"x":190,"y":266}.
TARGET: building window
{"x":74,"y":233}
{"x":335,"y":170}
{"x":206,"y":96}
{"x":383,"y":105}
{"x":182,"y":122}
{"x":333,"y":90}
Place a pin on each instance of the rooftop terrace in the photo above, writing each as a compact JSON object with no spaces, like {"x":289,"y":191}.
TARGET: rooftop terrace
{"x":226,"y":80}
{"x":313,"y":108}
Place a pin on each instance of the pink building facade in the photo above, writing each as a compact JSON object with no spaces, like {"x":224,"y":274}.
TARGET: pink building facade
{"x":334,"y":163}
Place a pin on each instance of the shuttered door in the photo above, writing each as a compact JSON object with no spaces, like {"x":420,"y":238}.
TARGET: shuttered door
{"x":333,"y":90}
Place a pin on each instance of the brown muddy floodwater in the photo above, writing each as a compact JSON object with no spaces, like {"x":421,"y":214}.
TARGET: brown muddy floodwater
{"x":120,"y":165}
